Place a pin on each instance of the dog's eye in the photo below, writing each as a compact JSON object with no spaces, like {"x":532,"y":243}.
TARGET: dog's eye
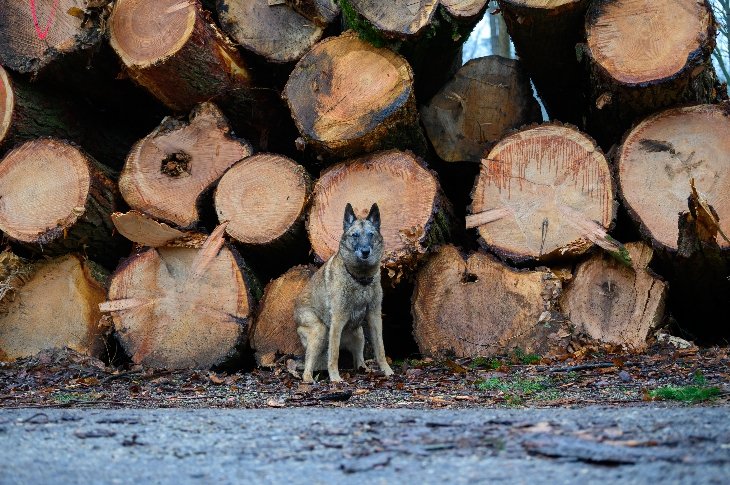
{"x":355,"y":235}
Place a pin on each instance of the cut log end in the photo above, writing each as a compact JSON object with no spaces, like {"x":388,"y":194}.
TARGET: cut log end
{"x":179,"y":321}
{"x":555,"y":183}
{"x":44,"y":185}
{"x":487,"y":97}
{"x":144,"y":33}
{"x":612,"y":303}
{"x":477,"y":306}
{"x":645,"y":41}
{"x":275,"y":331}
{"x":660,"y":157}
{"x":168,"y":170}
{"x":49,"y":305}
{"x":346,"y":95}
{"x":464,"y":8}
{"x":407,"y":194}
{"x":144,"y":230}
{"x":263,"y":197}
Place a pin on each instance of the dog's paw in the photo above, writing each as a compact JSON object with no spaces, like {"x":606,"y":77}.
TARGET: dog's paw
{"x":387,"y":370}
{"x":307,"y":378}
{"x":335,"y":377}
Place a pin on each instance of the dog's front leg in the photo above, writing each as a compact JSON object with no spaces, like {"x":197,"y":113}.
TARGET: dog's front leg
{"x":375,"y":323}
{"x":333,"y":352}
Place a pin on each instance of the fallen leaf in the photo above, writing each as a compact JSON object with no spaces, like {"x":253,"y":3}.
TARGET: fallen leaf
{"x":273,"y":403}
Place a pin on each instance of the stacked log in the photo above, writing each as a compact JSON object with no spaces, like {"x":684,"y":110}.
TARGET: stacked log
{"x":643,"y":56}
{"x":65,"y":206}
{"x":415,"y":213}
{"x":167,"y":171}
{"x":49,"y":304}
{"x":348,"y":97}
{"x":266,"y":135}
{"x":542,"y":193}
{"x":486,"y":98}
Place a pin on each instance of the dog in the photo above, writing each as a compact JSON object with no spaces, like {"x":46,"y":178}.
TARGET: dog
{"x":341,"y":296}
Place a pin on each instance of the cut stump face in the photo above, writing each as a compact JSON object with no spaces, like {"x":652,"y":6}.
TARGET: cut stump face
{"x":399,"y":18}
{"x":661,"y":155}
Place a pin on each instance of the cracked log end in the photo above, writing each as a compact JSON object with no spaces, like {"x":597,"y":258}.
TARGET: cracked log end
{"x":612,"y":303}
{"x":476,"y":306}
{"x":179,"y":308}
{"x":554,"y":184}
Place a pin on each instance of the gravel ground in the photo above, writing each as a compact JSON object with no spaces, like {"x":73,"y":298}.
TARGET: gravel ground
{"x":316,"y":445}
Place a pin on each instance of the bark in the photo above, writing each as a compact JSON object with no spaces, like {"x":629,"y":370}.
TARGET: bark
{"x":177,"y":308}
{"x":476,"y":306}
{"x":348,"y":97}
{"x":545,"y":34}
{"x":167,"y":171}
{"x":637,"y":71}
{"x":486,"y":98}
{"x":543,"y":193}
{"x":51,"y":304}
{"x":415,"y":214}
{"x":659,"y":158}
{"x":614,"y":303}
{"x":274,"y":332}
{"x":173,"y":50}
{"x":55,"y":199}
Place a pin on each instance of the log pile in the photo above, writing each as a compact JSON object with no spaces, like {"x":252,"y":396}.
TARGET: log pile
{"x":181,"y":168}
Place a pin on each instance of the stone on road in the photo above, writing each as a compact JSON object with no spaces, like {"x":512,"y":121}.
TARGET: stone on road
{"x":326,"y":445}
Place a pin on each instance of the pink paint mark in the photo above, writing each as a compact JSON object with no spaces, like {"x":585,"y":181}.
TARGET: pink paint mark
{"x":42,"y":34}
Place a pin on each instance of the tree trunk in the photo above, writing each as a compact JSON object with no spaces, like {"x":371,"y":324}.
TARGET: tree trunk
{"x":613,"y":303}
{"x":348,"y":97}
{"x":545,"y":34}
{"x":427,"y":34}
{"x":415,"y":214}
{"x":542,"y":193}
{"x":488,"y":97}
{"x":645,"y":55}
{"x":29,"y":111}
{"x":321,"y":12}
{"x":274,"y":332}
{"x":56,"y":200}
{"x":658,"y":159}
{"x":167,"y":171}
{"x":477,"y":306}
{"x":178,"y":308}
{"x":50,"y":304}
{"x":171,"y":48}
{"x":276,"y":32}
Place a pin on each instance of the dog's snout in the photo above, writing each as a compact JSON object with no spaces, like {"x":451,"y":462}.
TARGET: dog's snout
{"x":365,"y":253}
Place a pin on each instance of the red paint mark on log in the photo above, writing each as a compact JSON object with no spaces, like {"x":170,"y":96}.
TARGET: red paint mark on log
{"x":42,"y":34}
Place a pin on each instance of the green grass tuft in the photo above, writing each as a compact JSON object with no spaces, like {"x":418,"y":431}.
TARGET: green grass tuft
{"x":698,"y":392}
{"x":523,"y":358}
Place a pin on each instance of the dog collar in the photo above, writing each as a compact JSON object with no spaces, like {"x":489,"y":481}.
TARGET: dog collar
{"x":363,"y":280}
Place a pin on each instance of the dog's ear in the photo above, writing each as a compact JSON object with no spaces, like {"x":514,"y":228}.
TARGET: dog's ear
{"x":374,"y":216}
{"x":349,"y":217}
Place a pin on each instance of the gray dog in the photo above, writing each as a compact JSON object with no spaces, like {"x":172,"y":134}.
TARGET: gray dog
{"x":341,"y":295}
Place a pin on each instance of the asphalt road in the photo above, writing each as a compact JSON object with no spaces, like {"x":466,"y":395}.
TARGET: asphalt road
{"x":326,"y":445}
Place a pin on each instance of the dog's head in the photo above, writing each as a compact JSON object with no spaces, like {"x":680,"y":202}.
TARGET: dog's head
{"x":361,"y":243}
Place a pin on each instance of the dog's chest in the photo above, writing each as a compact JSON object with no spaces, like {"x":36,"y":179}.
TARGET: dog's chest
{"x":357,"y":305}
